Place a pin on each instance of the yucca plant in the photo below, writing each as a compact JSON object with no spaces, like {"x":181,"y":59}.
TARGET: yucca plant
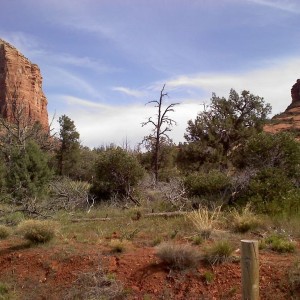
{"x":219,"y":252}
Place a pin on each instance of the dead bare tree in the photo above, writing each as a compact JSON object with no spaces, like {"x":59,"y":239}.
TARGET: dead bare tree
{"x":161,"y":126}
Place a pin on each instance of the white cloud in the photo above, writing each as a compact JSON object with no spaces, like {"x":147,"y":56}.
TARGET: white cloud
{"x":100,"y":124}
{"x":284,"y":5}
{"x":272,"y":82}
{"x":129,"y":92}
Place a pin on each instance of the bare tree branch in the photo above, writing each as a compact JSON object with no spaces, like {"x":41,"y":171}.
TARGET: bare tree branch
{"x":159,"y":130}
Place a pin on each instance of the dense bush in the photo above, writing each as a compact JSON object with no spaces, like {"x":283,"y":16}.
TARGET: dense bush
{"x":272,"y":192}
{"x":117,"y":172}
{"x":266,"y":150}
{"x":212,"y":184}
{"x":28,"y":173}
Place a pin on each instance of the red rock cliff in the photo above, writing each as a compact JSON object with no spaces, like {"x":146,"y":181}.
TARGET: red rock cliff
{"x":290,"y":119}
{"x":21,"y":82}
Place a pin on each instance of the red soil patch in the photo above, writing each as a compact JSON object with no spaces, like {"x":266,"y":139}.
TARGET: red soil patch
{"x":142,"y":272}
{"x":49,"y":272}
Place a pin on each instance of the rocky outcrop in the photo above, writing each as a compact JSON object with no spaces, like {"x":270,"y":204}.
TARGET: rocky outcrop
{"x":21,"y":87}
{"x":290,"y":119}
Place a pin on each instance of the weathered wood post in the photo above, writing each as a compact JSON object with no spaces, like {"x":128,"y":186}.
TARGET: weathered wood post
{"x":250,"y":270}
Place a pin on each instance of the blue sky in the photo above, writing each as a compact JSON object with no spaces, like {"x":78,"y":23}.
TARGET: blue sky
{"x":102,"y":60}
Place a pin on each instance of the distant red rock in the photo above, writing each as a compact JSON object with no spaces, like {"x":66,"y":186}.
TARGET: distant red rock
{"x":289,"y":120}
{"x":21,"y":80}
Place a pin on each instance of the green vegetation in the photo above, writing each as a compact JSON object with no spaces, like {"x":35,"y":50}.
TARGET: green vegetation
{"x":4,"y":231}
{"x":209,"y":277}
{"x":220,"y":252}
{"x":67,"y":153}
{"x":27,"y":172}
{"x":190,"y":201}
{"x":117,"y":173}
{"x":280,"y":243}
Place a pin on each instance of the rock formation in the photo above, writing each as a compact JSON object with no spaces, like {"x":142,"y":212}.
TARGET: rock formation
{"x":290,"y":119}
{"x":21,"y":87}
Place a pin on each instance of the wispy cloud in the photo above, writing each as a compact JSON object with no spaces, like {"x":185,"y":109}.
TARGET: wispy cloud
{"x":272,"y":82}
{"x":79,"y":102}
{"x":291,"y":6}
{"x":128,"y":91}
{"x":57,"y":77}
{"x":33,"y":48}
{"x":83,"y":62}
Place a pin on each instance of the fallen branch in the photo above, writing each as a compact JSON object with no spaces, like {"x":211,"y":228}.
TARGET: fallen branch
{"x":89,"y":220}
{"x":166,"y":214}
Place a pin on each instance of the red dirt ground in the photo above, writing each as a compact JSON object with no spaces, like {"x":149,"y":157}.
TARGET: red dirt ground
{"x":49,"y":272}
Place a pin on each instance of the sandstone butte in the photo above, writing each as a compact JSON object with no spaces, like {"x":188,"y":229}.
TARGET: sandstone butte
{"x":289,"y":120}
{"x":21,"y":83}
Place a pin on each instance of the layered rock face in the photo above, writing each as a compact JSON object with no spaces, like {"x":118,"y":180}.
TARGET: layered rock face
{"x":290,"y":119}
{"x":21,"y":87}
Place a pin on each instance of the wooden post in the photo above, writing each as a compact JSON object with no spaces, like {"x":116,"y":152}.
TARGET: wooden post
{"x":250,"y":270}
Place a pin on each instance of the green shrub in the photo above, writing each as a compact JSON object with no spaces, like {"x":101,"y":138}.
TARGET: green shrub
{"x":279,"y":151}
{"x":4,"y":290}
{"x":4,"y":231}
{"x":117,"y":172}
{"x":28,"y":171}
{"x":14,"y":218}
{"x":197,"y":240}
{"x":37,"y":231}
{"x":178,"y":256}
{"x":279,"y":243}
{"x":272,"y":192}
{"x":209,"y":183}
{"x":209,"y":277}
{"x":219,"y":252}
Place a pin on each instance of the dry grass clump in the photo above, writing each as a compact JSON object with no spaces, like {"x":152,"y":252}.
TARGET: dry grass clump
{"x":245,"y":220}
{"x":96,"y":285}
{"x":178,"y":256}
{"x":4,"y":232}
{"x":117,"y":245}
{"x":36,"y":231}
{"x":204,"y":220}
{"x":220,"y":252}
